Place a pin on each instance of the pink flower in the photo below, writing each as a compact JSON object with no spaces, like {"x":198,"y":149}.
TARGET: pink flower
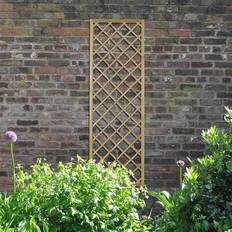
{"x":11,"y":136}
{"x":180,"y":163}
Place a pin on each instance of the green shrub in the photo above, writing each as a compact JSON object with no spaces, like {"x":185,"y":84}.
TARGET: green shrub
{"x":204,"y":203}
{"x":80,"y":198}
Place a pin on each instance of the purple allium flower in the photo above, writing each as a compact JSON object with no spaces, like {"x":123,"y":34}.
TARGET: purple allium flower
{"x":180,"y":163}
{"x":11,"y":136}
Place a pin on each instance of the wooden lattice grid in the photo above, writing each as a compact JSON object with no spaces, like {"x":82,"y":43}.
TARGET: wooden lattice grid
{"x":117,"y":94}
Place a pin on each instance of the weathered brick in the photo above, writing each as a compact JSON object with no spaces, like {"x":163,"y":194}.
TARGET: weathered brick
{"x":202,"y":64}
{"x":47,"y":70}
{"x":190,"y":86}
{"x":204,"y":33}
{"x":215,"y":41}
{"x":5,"y":55}
{"x":68,"y":86}
{"x":20,"y":85}
{"x":224,"y":95}
{"x":35,"y":62}
{"x":190,"y":41}
{"x":213,"y":57}
{"x":193,"y":146}
{"x":44,"y":85}
{"x":211,"y":72}
{"x":186,"y":72}
{"x":39,"y":129}
{"x":169,"y":146}
{"x":16,"y":100}
{"x":223,"y":64}
{"x":162,"y":117}
{"x":69,"y":31}
{"x":184,"y":131}
{"x":26,"y":143}
{"x":58,"y":63}
{"x":53,"y":92}
{"x":27,"y":122}
{"x":3,"y":85}
{"x":224,"y":33}
{"x":12,"y":31}
{"x":185,"y":101}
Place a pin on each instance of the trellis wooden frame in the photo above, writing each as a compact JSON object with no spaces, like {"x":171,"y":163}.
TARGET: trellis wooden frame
{"x":101,"y":25}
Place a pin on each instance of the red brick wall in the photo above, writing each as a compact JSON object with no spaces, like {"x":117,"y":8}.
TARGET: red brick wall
{"x":44,"y":67}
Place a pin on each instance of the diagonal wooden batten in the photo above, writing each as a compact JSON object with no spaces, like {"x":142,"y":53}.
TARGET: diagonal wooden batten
{"x":116,"y":113}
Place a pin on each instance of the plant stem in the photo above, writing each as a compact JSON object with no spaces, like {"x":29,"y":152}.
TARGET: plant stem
{"x":13,"y":165}
{"x":181,"y":176}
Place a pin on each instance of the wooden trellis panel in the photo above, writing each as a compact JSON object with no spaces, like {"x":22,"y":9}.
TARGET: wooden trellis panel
{"x":117,"y":94}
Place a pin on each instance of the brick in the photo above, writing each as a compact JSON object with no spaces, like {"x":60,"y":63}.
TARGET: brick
{"x":190,"y":86}
{"x":44,"y":85}
{"x":223,"y":64}
{"x":224,"y":33}
{"x":41,"y":100}
{"x":202,"y":64}
{"x":16,"y":100}
{"x":12,"y":31}
{"x":186,"y":72}
{"x":68,"y":31}
{"x":185,"y":101}
{"x":39,"y":129}
{"x":5,"y":55}
{"x":47,"y":70}
{"x":35,"y":62}
{"x":210,"y":102}
{"x":79,"y":94}
{"x":3,"y":85}
{"x":26,"y":143}
{"x":193,"y":146}
{"x":227,"y":18}
{"x":49,"y":55}
{"x":167,"y":41}
{"x":169,"y":146}
{"x":211,"y":72}
{"x":228,"y":72}
{"x":204,"y":33}
{"x":5,"y":7}
{"x":178,"y":64}
{"x":58,"y":63}
{"x":215,"y":41}
{"x":61,"y":130}
{"x":179,"y":33}
{"x":27,"y":122}
{"x":224,"y":95}
{"x":21,"y":85}
{"x":184,"y":131}
{"x":34,"y":92}
{"x":84,"y":137}
{"x":68,"y":86}
{"x":28,"y":108}
{"x":190,"y":41}
{"x":162,"y":117}
{"x":53,"y":92}
{"x":213,"y":57}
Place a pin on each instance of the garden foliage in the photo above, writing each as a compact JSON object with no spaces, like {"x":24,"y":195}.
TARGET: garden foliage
{"x":204,"y":202}
{"x":83,"y":197}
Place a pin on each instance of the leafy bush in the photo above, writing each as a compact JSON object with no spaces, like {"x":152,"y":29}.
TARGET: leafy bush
{"x":83,"y":197}
{"x":204,"y":202}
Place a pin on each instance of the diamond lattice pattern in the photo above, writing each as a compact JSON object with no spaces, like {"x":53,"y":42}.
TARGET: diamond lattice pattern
{"x":116,"y":74}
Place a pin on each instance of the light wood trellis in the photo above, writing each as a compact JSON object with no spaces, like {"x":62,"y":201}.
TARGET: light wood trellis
{"x":117,"y":94}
